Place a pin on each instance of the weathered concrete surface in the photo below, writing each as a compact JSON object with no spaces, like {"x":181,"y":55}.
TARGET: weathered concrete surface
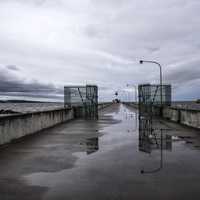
{"x":183,"y":116}
{"x":19,"y":125}
{"x":99,"y":160}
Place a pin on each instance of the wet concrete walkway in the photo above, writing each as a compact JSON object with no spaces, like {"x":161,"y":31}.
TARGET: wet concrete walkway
{"x":100,"y":160}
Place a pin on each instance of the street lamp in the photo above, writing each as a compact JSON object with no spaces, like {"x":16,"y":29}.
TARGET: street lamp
{"x":160,"y":67}
{"x":161,"y":101}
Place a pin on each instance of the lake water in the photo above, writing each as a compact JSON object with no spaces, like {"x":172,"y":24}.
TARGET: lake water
{"x":30,"y":107}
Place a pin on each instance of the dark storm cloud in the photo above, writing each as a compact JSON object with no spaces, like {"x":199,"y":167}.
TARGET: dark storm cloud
{"x":10,"y":83}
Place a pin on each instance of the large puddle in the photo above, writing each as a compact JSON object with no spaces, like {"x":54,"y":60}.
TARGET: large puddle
{"x":111,"y":165}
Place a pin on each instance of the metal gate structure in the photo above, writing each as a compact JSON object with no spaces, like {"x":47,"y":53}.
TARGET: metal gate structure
{"x":150,"y":98}
{"x":82,"y":98}
{"x":150,"y":105}
{"x":151,"y":102}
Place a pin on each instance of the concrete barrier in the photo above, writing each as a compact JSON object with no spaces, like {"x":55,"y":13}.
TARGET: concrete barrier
{"x":19,"y":125}
{"x":191,"y":118}
{"x":171,"y":114}
{"x":183,"y":116}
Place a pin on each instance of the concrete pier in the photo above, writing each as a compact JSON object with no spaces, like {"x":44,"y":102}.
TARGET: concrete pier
{"x":100,"y":160}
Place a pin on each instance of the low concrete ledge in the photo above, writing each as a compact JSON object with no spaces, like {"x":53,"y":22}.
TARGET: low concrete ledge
{"x":183,"y":116}
{"x":188,"y":117}
{"x":16,"y":126}
{"x":19,"y":125}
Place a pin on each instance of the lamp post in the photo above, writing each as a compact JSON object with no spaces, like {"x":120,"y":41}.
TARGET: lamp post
{"x":161,"y":102}
{"x":160,"y":67}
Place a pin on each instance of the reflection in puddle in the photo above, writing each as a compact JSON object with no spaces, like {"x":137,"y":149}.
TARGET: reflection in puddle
{"x":111,"y":136}
{"x":156,"y":136}
{"x":111,"y":161}
{"x":153,"y":142}
{"x":151,"y":138}
{"x":92,"y":145}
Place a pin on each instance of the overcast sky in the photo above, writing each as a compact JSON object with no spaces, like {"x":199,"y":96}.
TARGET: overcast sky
{"x":46,"y":44}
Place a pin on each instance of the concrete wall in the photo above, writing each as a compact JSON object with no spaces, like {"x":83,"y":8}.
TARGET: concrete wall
{"x":183,"y":116}
{"x":171,"y":114}
{"x":186,"y":117}
{"x":19,"y":125}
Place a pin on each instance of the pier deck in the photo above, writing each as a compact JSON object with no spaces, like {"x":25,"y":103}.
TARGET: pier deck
{"x":100,"y":160}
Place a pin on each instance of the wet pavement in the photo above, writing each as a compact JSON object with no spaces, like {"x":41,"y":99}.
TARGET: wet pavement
{"x":101,"y":160}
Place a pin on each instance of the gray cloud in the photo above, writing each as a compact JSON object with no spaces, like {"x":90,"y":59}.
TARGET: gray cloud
{"x":13,"y":67}
{"x":11,"y":85}
{"x":77,"y":42}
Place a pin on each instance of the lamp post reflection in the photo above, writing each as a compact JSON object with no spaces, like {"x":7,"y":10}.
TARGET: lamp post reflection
{"x":153,"y":139}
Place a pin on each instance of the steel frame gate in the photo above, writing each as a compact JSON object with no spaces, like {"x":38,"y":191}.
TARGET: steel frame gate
{"x":82,"y":98}
{"x":150,"y":108}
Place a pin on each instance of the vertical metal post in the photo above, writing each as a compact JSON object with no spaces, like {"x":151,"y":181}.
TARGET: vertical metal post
{"x":161,"y":149}
{"x":161,"y":96}
{"x":160,"y":67}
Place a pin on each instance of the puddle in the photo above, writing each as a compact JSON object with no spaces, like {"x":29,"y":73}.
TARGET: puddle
{"x":113,"y":162}
{"x":113,"y":137}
